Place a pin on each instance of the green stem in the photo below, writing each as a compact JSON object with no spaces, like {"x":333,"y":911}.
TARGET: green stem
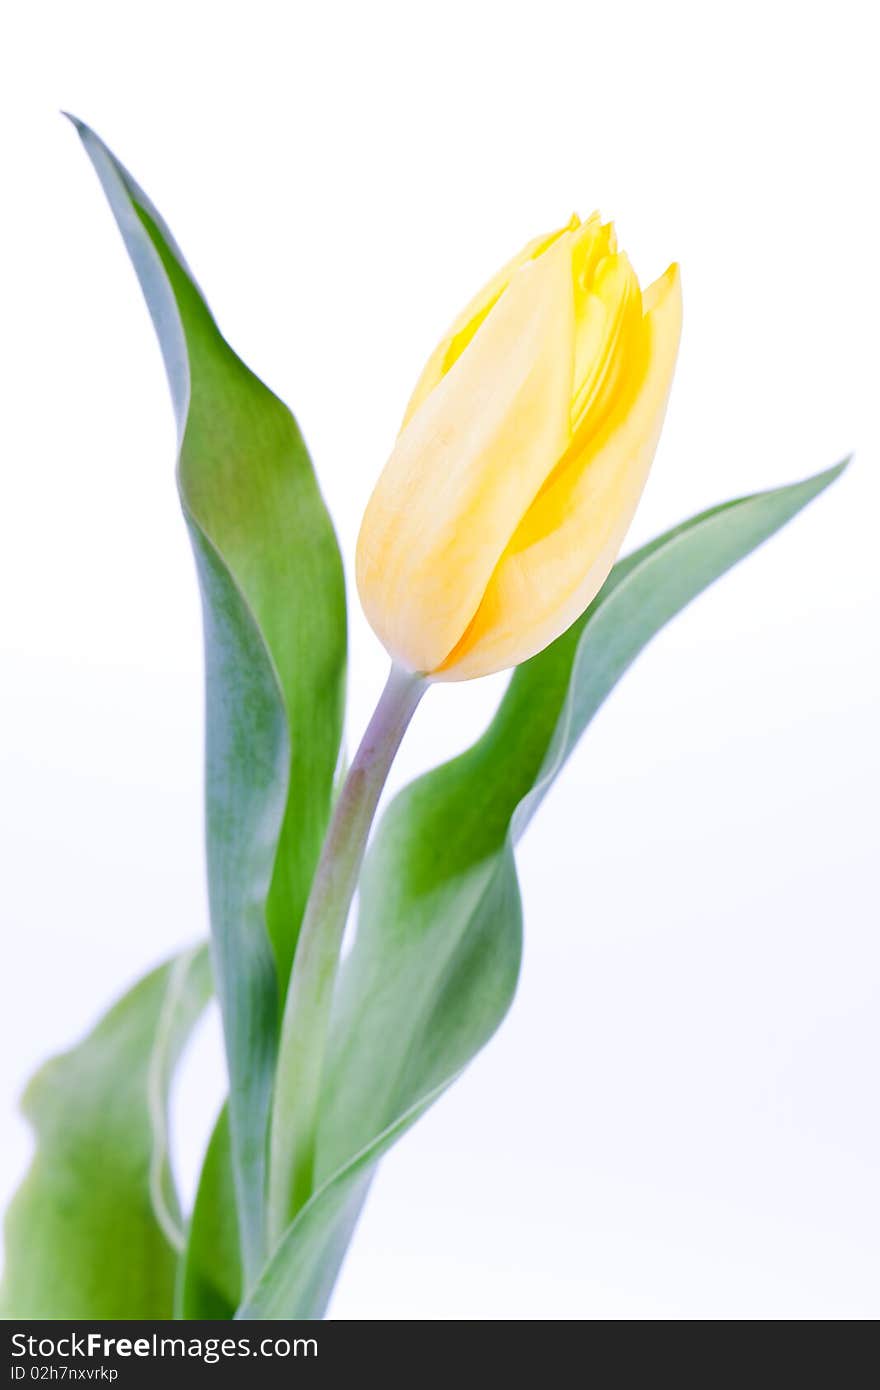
{"x":305,"y":1025}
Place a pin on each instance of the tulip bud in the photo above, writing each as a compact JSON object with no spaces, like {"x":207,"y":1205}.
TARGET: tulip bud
{"x":521,"y":460}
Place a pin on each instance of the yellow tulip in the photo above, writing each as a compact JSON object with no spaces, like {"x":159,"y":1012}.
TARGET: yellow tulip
{"x":521,"y":460}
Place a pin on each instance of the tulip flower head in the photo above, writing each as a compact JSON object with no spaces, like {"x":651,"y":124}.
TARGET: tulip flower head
{"x":521,"y":459}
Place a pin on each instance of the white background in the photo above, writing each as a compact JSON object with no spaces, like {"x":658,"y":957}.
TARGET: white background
{"x":679,"y":1117}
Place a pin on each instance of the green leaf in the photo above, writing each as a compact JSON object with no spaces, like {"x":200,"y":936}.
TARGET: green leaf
{"x":301,"y":1274}
{"x":274,"y":617}
{"x":435,"y":959}
{"x":210,"y":1283}
{"x":94,"y":1230}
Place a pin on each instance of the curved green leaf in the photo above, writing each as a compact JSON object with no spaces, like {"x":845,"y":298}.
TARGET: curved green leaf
{"x":94,"y":1230}
{"x":434,"y":964}
{"x":210,"y":1283}
{"x":301,"y":1273}
{"x":274,"y":617}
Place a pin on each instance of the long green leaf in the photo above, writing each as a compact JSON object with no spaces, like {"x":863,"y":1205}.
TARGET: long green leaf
{"x":95,"y":1230}
{"x":434,"y":964}
{"x":274,"y":617}
{"x":210,"y":1281}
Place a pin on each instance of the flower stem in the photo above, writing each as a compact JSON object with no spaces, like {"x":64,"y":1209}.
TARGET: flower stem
{"x":305,"y":1025}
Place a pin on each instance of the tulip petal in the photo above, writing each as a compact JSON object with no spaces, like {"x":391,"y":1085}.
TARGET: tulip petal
{"x":463,"y":330}
{"x":568,"y":540}
{"x":609,"y":322}
{"x":467,"y":467}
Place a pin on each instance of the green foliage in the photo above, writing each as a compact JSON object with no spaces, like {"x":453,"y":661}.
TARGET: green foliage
{"x":274,"y":616}
{"x":95,"y":1229}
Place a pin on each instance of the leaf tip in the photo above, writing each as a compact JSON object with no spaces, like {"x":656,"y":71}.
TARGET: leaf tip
{"x":830,"y":475}
{"x":79,"y":126}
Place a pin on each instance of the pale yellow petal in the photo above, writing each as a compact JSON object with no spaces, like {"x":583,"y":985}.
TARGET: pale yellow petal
{"x":467,"y":466}
{"x":564,"y":548}
{"x":462,"y":331}
{"x":593,"y":243}
{"x":606,"y":320}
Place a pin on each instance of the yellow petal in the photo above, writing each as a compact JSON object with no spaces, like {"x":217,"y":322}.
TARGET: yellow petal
{"x":592,"y":245}
{"x":468,"y":465}
{"x":463,"y":330}
{"x":608,"y":318}
{"x":568,"y":540}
